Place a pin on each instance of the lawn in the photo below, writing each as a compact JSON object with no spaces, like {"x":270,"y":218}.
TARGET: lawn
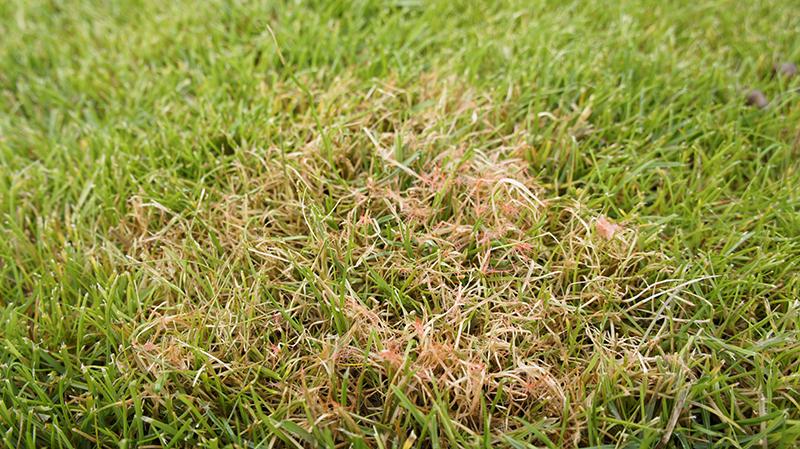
{"x":399,"y":224}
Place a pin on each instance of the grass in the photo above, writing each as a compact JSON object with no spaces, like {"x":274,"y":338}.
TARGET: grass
{"x":398,"y":224}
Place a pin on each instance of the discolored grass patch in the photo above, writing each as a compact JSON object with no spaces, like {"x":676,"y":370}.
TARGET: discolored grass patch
{"x":379,"y":282}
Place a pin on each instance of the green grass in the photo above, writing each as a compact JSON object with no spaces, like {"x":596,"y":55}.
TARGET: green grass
{"x":375,"y":224}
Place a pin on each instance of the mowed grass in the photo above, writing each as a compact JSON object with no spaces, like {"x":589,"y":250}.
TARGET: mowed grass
{"x":380,"y":224}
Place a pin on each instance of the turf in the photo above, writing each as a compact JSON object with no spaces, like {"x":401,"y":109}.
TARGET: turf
{"x":399,"y":224}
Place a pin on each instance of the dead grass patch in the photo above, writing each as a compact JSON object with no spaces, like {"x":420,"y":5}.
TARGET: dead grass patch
{"x":391,"y":262}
